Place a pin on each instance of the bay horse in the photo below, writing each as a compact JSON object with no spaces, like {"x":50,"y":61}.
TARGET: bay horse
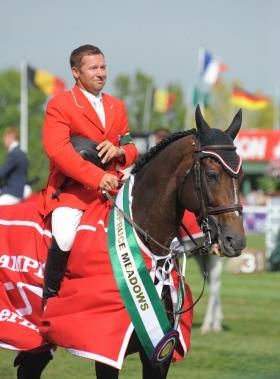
{"x":197,"y":170}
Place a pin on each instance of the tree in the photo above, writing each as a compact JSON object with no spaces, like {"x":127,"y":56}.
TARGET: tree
{"x":137,"y":91}
{"x":10,"y":116}
{"x":220,"y":111}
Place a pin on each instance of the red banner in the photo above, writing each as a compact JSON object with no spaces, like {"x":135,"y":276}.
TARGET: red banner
{"x":258,"y":145}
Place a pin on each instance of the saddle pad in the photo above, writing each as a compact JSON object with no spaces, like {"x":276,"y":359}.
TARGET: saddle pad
{"x":88,"y":317}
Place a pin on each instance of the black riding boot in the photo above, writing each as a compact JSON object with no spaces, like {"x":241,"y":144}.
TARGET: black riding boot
{"x":54,"y":270}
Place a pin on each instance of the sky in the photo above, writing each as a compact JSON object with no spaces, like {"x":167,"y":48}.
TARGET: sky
{"x":159,"y":37}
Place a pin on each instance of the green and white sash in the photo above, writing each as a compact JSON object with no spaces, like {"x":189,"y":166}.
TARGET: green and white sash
{"x":136,"y":287}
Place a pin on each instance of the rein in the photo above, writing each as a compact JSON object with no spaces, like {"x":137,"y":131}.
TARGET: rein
{"x":146,"y":235}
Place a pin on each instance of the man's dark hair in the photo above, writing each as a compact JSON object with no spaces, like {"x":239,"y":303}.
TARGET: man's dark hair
{"x":77,"y":54}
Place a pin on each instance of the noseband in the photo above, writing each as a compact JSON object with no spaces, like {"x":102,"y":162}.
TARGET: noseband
{"x":207,"y":210}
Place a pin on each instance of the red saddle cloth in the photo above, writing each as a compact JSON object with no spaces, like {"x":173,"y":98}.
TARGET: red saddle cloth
{"x":88,"y":317}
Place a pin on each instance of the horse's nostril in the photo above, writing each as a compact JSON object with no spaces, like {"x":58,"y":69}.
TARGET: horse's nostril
{"x":229,"y":241}
{"x":235,"y":242}
{"x":229,"y":238}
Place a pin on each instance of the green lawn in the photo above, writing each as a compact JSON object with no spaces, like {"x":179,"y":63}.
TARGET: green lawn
{"x":247,"y":349}
{"x":256,"y":241}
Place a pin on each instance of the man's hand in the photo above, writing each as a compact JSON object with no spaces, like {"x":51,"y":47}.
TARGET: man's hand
{"x":108,"y":151}
{"x":108,"y":182}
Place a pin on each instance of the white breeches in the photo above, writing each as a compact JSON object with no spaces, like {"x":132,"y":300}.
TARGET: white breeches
{"x":65,"y":222}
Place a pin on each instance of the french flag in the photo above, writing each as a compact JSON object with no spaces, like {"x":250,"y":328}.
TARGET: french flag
{"x":210,"y":66}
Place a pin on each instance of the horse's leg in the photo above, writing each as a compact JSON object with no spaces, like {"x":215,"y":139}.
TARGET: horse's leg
{"x":207,"y":323}
{"x":31,"y":365}
{"x":103,"y":371}
{"x":217,"y":279}
{"x":213,"y":316}
{"x":204,"y":265}
{"x":151,"y":371}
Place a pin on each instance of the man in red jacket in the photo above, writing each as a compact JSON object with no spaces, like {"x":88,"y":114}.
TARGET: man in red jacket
{"x":84,"y":111}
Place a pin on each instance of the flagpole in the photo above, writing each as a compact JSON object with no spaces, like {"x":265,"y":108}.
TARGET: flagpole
{"x":200,"y":82}
{"x":189,"y":107}
{"x":147,"y":108}
{"x":201,"y":97}
{"x":276,"y":124}
{"x":23,"y":107}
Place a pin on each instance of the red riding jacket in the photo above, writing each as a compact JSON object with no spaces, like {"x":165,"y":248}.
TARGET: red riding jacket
{"x":71,"y":114}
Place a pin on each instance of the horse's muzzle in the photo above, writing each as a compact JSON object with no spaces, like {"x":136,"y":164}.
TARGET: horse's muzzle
{"x":231,"y":242}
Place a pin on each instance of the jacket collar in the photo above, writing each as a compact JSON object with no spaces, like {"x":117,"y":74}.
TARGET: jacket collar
{"x":13,"y":145}
{"x":110,"y":112}
{"x":82,"y":102}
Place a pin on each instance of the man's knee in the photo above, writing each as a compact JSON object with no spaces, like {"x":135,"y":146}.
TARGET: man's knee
{"x":65,"y":221}
{"x":64,"y":240}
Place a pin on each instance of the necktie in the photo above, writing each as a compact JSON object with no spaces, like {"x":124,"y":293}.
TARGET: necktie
{"x":98,"y":106}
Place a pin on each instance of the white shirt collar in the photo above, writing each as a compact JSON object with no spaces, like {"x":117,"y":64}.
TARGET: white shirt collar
{"x":13,"y":145}
{"x":96,"y":103}
{"x":92,"y":98}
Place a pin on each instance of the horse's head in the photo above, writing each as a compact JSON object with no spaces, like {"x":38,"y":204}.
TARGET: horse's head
{"x":215,"y":178}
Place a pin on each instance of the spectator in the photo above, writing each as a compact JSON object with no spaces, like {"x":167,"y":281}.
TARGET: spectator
{"x":160,"y":134}
{"x":13,"y":173}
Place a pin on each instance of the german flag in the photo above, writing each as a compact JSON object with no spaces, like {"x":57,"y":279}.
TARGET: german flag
{"x":163,"y":100}
{"x":244,"y":99}
{"x":48,"y":83}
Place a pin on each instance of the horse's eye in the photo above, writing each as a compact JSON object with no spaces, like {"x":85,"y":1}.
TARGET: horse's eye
{"x":212,"y":176}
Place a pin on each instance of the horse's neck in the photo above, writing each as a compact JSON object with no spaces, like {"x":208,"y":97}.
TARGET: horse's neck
{"x":155,"y":207}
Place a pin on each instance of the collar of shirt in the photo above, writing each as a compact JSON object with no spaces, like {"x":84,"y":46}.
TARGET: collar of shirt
{"x":13,"y":145}
{"x":92,"y":98}
{"x":96,"y":102}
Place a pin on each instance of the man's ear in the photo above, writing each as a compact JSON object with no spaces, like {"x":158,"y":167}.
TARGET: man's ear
{"x":75,"y":72}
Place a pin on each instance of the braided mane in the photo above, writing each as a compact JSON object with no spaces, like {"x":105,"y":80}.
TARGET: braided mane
{"x":160,"y":146}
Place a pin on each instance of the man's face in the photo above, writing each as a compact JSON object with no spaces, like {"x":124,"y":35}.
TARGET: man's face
{"x":91,"y":75}
{"x":8,"y":139}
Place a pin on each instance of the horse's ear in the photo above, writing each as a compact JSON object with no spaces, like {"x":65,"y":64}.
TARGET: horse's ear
{"x":235,"y":125}
{"x":201,"y":124}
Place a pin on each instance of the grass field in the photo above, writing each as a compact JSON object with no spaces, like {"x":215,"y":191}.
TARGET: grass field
{"x":256,"y":241}
{"x":247,"y":349}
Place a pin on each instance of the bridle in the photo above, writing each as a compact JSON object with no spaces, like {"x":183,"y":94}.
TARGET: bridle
{"x":205,"y":209}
